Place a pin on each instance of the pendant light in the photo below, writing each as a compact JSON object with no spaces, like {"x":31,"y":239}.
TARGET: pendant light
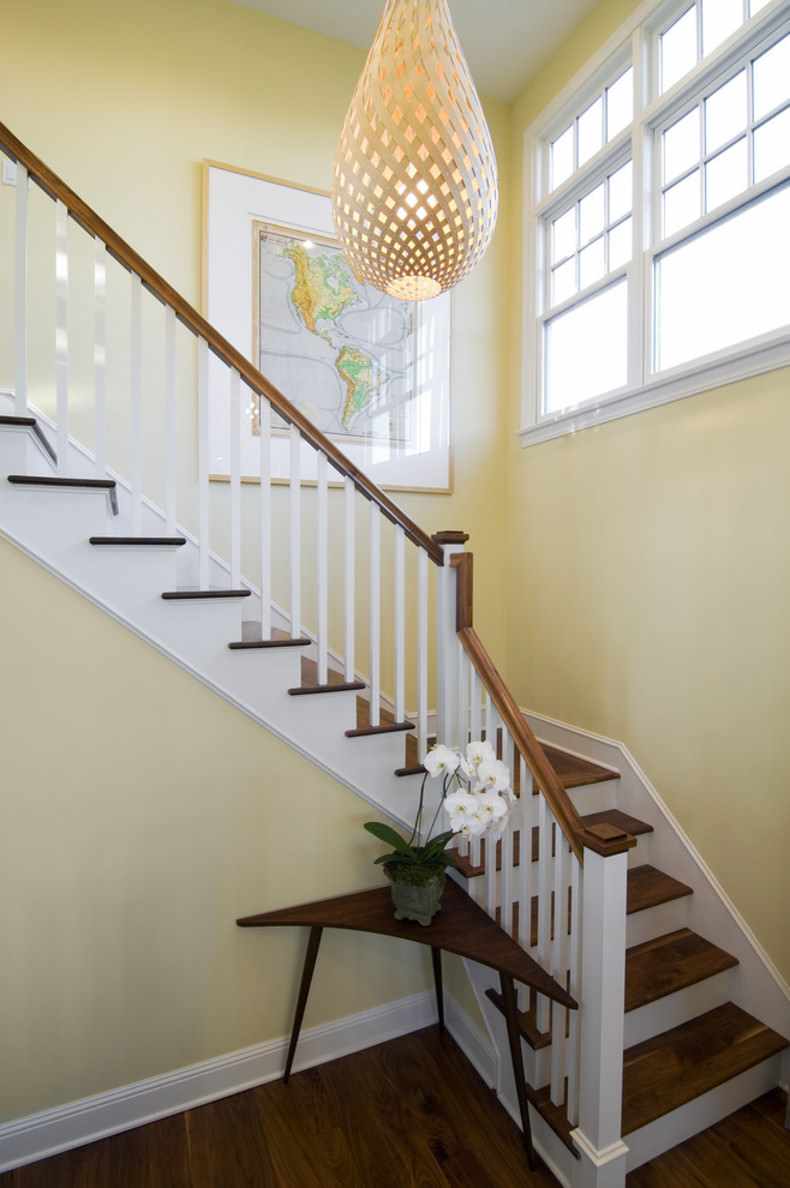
{"x":415,"y":191}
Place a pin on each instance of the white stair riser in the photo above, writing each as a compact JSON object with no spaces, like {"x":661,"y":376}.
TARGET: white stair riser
{"x":594,"y":798}
{"x":701,"y":1113}
{"x":675,"y":1009}
{"x":657,"y":921}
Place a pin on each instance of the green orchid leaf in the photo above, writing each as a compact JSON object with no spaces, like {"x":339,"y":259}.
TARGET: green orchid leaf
{"x":388,"y":835}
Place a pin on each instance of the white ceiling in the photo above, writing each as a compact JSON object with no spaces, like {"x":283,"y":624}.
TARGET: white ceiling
{"x":505,"y":41}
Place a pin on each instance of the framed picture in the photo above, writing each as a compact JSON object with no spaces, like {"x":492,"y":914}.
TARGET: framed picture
{"x":371,"y":372}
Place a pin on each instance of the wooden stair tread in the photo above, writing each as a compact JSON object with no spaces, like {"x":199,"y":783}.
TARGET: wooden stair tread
{"x":190,"y":595}
{"x":14,"y":422}
{"x":39,"y":480}
{"x":619,"y":820}
{"x":175,"y":541}
{"x":649,"y":887}
{"x":526,"y":1023}
{"x":667,"y":1071}
{"x":575,"y":772}
{"x":384,"y":728}
{"x":469,"y":871}
{"x":669,"y":963}
{"x":243,"y":645}
{"x":331,"y":687}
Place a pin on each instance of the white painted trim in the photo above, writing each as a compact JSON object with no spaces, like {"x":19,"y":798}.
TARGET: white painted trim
{"x":627,"y":762}
{"x":47,"y":1132}
{"x":599,"y":1158}
{"x":662,"y":390}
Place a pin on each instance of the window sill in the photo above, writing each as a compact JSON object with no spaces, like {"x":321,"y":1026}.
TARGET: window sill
{"x":677,"y":385}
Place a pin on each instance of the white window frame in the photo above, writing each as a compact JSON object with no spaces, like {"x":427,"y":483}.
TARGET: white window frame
{"x":636,"y":43}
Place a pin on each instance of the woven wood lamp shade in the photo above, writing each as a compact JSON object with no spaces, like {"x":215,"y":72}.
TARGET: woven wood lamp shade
{"x":415,"y":193}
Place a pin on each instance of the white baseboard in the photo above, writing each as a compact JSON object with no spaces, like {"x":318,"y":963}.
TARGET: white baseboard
{"x":48,"y":1132}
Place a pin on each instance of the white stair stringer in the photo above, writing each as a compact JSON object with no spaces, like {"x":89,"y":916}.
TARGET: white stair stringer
{"x":54,"y":527}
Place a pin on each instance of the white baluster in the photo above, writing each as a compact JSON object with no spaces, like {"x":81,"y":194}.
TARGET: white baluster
{"x":322,"y":571}
{"x":559,"y":967}
{"x":545,"y":830}
{"x":100,"y":356}
{"x":491,"y":875}
{"x":375,"y":614}
{"x":349,"y":508}
{"x":528,"y":817}
{"x":136,"y":400}
{"x":171,"y":454}
{"x":422,"y":654}
{"x":203,"y":467}
{"x":487,"y":711}
{"x":295,"y":499}
{"x":235,"y":479}
{"x":20,"y":291}
{"x":62,"y":332}
{"x":474,"y":705}
{"x":462,"y":695}
{"x":507,"y":875}
{"x":400,"y":624}
{"x":573,"y":988}
{"x":265,"y":493}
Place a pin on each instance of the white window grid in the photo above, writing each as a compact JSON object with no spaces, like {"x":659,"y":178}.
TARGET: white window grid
{"x":751,"y":125}
{"x":653,"y":113}
{"x":674,"y":12}
{"x":607,"y":135}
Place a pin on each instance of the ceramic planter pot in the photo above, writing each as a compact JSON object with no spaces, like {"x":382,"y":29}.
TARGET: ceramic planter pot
{"x":414,"y":896}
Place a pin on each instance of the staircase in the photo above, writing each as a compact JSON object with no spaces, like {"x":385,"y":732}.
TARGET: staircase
{"x":668,"y":1038}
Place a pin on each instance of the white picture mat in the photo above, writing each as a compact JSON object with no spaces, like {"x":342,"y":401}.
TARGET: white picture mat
{"x":234,"y":201}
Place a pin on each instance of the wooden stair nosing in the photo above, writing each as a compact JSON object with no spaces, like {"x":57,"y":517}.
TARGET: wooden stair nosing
{"x":402,"y":772}
{"x":195,"y":595}
{"x":32,"y":424}
{"x":340,"y":687}
{"x":245,"y":645}
{"x":385,"y":728}
{"x":649,"y":887}
{"x":576,"y":772}
{"x":669,"y":963}
{"x":536,"y":1039}
{"x":669,"y":1070}
{"x":141,"y":541}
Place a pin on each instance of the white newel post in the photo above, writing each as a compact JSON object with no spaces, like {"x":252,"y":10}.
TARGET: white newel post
{"x":447,"y":640}
{"x":598,"y":1136}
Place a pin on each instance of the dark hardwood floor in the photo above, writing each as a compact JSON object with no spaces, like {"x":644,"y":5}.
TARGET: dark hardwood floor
{"x":407,"y":1114}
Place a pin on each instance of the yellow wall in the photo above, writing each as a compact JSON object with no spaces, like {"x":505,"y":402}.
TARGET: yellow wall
{"x":142,"y":814}
{"x":650,"y":569}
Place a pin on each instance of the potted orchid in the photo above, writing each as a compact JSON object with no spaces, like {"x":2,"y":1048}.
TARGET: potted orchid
{"x":476,"y":795}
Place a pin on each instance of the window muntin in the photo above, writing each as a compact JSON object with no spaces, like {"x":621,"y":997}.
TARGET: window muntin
{"x":726,"y":284}
{"x":734,"y":136}
{"x":609,"y":113}
{"x":696,"y":32}
{"x":592,"y":237}
{"x":704,"y":162}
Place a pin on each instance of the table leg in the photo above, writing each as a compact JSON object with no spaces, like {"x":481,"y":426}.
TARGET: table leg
{"x":517,"y":1056}
{"x":436,"y":954}
{"x":304,"y":990}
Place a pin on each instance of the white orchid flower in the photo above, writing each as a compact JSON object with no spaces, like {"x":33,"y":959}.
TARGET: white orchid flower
{"x":493,"y":809}
{"x":479,"y":752}
{"x":441,"y":761}
{"x":493,"y":776}
{"x":461,"y":809}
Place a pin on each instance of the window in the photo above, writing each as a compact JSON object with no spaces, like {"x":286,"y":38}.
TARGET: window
{"x":660,"y":245}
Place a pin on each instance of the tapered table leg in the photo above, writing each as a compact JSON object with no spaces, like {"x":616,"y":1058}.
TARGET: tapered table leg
{"x":516,"y":1055}
{"x":436,"y":954}
{"x":304,"y":989}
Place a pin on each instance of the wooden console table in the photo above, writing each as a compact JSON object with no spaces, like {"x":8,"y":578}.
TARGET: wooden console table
{"x":461,"y":927}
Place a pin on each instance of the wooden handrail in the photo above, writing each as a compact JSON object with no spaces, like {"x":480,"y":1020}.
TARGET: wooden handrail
{"x":224,"y":350}
{"x":603,"y":840}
